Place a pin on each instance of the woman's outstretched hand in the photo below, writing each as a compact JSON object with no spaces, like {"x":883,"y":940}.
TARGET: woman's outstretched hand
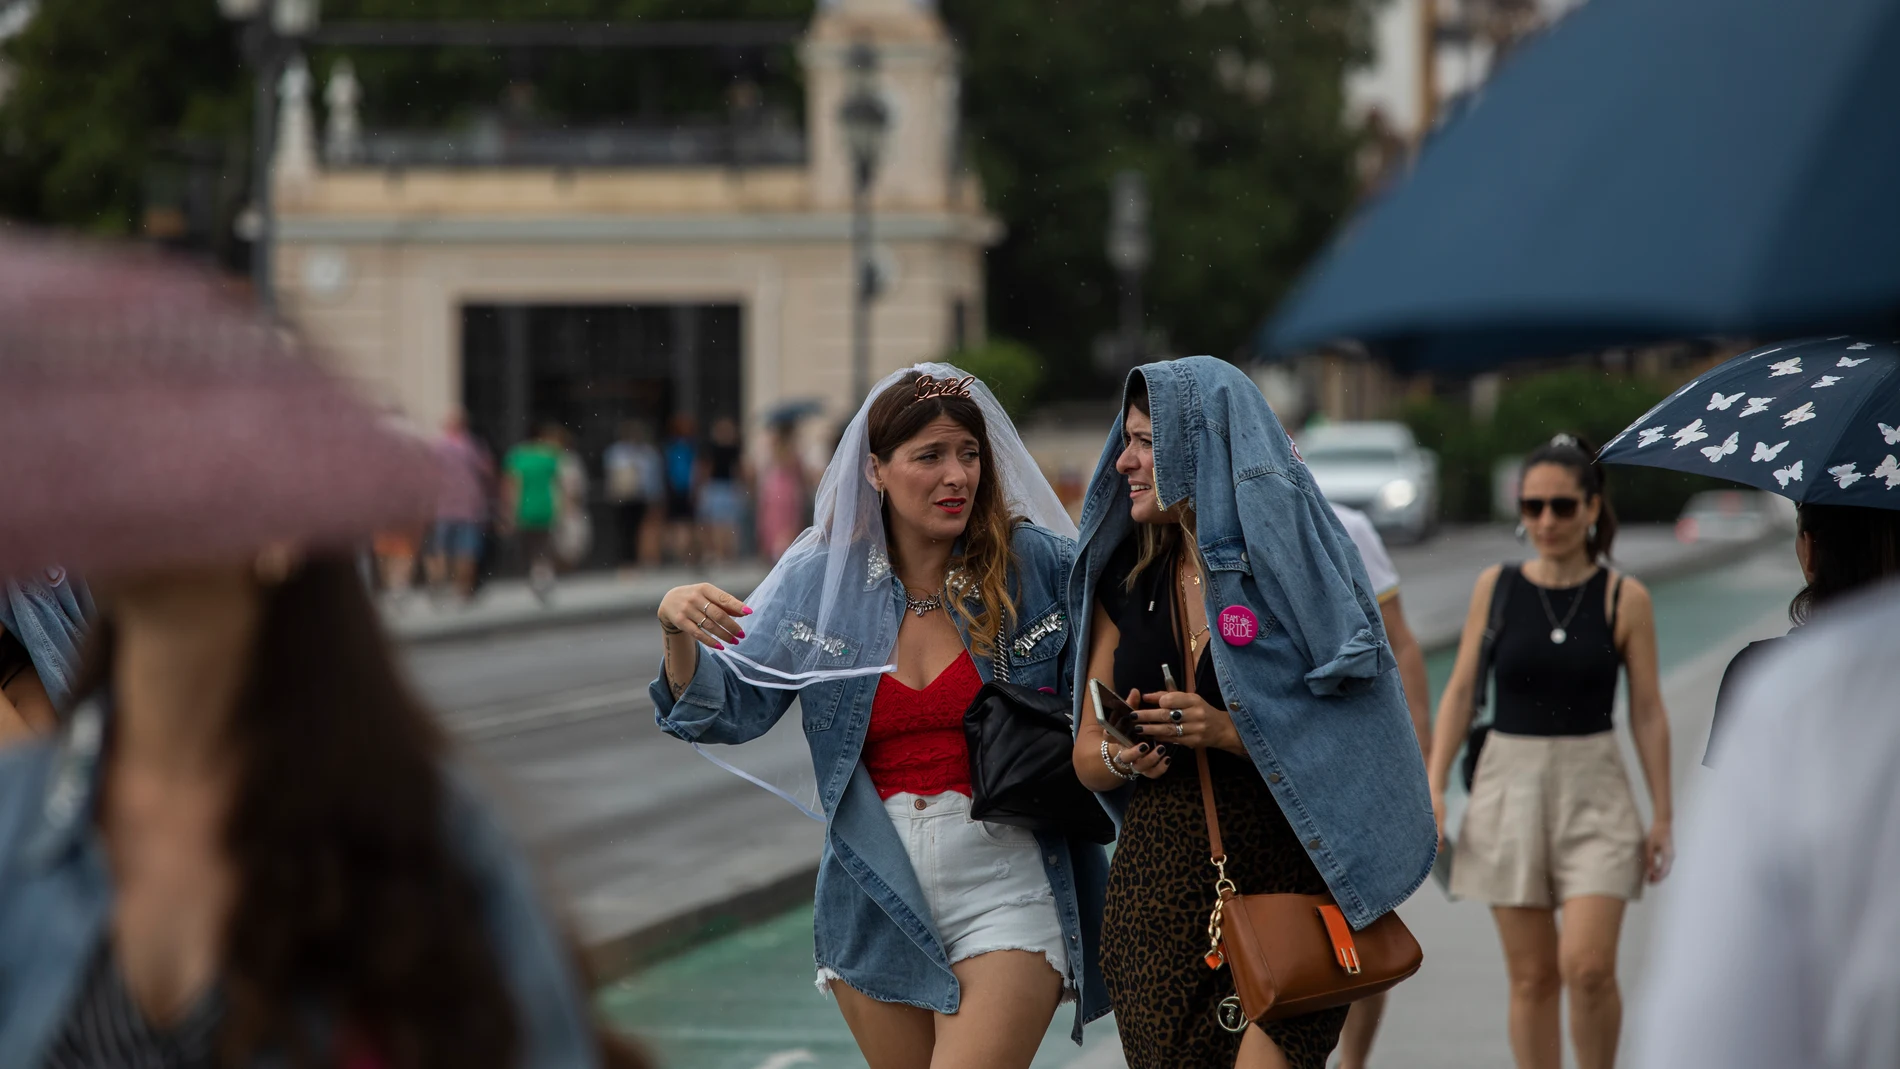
{"x":703,"y":611}
{"x":1180,"y":718}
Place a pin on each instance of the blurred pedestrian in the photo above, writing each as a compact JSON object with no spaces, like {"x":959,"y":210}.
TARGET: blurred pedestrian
{"x":531,"y":502}
{"x":43,"y":621}
{"x":574,"y":527}
{"x":248,"y":844}
{"x":1842,"y":549}
{"x":722,"y":490}
{"x":1362,"y":1020}
{"x":396,"y":551}
{"x":784,"y":494}
{"x":683,"y":475}
{"x":461,"y":509}
{"x":632,"y":468}
{"x":947,"y":941}
{"x":1774,"y":947}
{"x":1552,"y":824}
{"x":1235,"y":616}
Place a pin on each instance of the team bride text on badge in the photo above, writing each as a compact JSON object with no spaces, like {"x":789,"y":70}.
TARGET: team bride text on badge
{"x":1238,"y":625}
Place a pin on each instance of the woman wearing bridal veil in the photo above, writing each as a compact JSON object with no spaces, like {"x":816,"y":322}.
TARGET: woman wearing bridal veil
{"x":939,"y":555}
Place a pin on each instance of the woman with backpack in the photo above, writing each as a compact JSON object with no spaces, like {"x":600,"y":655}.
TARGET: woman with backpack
{"x":1552,"y":824}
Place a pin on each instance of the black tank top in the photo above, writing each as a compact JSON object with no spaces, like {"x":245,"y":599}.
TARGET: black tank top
{"x":1550,"y":688}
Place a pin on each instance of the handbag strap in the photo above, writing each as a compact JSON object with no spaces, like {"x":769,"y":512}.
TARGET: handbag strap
{"x":999,"y":658}
{"x":1216,"y":853}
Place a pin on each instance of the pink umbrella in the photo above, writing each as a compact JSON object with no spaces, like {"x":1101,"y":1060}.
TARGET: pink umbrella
{"x":150,"y":417}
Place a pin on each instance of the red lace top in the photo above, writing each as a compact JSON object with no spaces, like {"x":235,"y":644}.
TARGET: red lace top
{"x":915,"y":742}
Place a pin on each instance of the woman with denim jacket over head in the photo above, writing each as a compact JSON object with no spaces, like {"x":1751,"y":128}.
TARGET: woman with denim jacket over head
{"x":1552,"y":824}
{"x":1208,"y":557}
{"x":948,"y":942}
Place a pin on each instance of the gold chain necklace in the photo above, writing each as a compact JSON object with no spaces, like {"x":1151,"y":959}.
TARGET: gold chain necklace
{"x":1194,"y":639}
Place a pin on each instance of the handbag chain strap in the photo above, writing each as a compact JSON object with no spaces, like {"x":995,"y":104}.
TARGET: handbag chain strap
{"x":1223,"y":887}
{"x":999,"y":657}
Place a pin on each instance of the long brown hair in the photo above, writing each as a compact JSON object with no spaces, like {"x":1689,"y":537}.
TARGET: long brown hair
{"x":351,"y":899}
{"x":897,"y":416}
{"x":1158,"y":540}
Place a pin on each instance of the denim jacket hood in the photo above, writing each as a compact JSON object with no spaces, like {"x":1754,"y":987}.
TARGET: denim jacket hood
{"x":56,"y":904}
{"x":872,"y":925}
{"x":1313,"y":689}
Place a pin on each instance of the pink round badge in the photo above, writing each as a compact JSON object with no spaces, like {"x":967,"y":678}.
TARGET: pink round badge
{"x":1238,"y":625}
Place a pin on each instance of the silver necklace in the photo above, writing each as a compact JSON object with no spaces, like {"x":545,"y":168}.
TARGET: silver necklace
{"x":923,"y":606}
{"x":1559,"y":632}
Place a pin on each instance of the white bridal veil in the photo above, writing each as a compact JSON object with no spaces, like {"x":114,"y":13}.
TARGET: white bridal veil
{"x":814,"y":615}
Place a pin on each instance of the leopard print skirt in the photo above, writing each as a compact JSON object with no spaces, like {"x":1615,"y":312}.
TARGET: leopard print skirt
{"x":1154,"y":933}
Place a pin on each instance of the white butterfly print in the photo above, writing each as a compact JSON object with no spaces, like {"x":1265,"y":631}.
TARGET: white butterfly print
{"x":1891,"y":434}
{"x":1889,"y":470}
{"x":1715,"y":453}
{"x":1799,"y":415}
{"x":1860,"y":345}
{"x":1692,"y":433}
{"x":1824,"y":382}
{"x":1764,"y":451}
{"x":1720,"y":403}
{"x":1649,"y":436}
{"x":1790,"y":366}
{"x":1757,"y":405}
{"x":1848,"y":361}
{"x":1789,"y":474}
{"x":1845,"y":475}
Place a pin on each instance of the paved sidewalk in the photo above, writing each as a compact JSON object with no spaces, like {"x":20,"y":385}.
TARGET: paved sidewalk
{"x":507,"y":605}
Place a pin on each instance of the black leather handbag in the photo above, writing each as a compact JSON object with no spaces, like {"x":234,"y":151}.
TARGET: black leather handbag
{"x":1021,"y":773}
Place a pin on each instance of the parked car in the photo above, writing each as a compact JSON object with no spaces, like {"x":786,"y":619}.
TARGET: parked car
{"x":1733,"y":516}
{"x":1379,"y":469}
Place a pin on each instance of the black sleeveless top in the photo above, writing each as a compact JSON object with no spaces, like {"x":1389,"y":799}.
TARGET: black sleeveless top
{"x":1550,"y":688}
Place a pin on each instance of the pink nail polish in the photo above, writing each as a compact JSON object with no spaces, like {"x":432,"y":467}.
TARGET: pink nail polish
{"x":717,"y":646}
{"x":741,"y":632}
{"x":747,"y":612}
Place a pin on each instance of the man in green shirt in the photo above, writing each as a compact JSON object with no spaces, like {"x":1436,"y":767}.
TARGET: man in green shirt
{"x":531,"y":504}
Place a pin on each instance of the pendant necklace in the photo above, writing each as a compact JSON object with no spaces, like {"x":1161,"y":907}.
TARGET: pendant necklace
{"x":1194,"y":638}
{"x":1559,"y":632}
{"x":922,"y":606}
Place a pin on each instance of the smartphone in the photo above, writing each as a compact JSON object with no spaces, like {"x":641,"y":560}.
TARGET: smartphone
{"x":1115,"y":715}
{"x":1167,"y":677}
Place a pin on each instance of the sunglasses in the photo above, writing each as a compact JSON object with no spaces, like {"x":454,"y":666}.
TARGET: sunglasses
{"x":1563,"y":508}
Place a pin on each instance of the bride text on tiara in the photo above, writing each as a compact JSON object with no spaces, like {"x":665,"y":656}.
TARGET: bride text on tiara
{"x":928,"y":387}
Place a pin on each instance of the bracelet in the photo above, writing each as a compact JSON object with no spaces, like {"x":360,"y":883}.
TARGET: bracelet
{"x":669,"y":629}
{"x":1117,"y":767}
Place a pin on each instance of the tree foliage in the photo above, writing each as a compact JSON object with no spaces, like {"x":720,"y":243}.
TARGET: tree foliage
{"x":1232,"y":109}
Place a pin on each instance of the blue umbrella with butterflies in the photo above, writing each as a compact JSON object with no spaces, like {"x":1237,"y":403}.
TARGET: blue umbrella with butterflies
{"x":1815,"y":420}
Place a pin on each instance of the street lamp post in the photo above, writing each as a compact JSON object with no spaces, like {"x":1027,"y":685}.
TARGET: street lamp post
{"x":866,"y":121}
{"x":271,"y":32}
{"x":1128,"y":252}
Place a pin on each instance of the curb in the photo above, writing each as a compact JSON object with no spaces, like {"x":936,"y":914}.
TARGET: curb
{"x":622,"y":955}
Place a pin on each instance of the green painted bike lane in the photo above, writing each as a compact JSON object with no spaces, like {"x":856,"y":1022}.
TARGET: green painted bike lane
{"x":746,"y":1000}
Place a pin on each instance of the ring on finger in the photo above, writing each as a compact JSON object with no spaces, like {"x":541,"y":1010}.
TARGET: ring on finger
{"x":1174,"y":715}
{"x":1179,"y":730}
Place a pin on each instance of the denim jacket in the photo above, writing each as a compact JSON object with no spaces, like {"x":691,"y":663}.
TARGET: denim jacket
{"x":873,"y":926}
{"x":1314,"y":692}
{"x":56,"y":904}
{"x":48,"y":615}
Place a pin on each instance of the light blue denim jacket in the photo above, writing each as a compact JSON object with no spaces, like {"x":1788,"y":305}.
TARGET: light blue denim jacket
{"x":56,"y":904}
{"x":1316,"y":695}
{"x":873,"y":926}
{"x":49,"y":617}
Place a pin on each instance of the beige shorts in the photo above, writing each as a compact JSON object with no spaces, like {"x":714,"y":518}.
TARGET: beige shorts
{"x":1551,"y":818}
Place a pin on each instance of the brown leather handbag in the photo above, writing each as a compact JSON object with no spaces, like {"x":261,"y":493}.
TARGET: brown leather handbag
{"x":1294,"y":954}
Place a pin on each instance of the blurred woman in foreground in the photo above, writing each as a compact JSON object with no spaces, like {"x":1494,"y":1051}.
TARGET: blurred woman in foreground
{"x":1842,"y":549}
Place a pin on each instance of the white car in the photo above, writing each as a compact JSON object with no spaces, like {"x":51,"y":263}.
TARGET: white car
{"x":1379,"y":469}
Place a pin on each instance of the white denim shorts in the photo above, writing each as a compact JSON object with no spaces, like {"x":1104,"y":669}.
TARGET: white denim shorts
{"x":984,"y":882}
